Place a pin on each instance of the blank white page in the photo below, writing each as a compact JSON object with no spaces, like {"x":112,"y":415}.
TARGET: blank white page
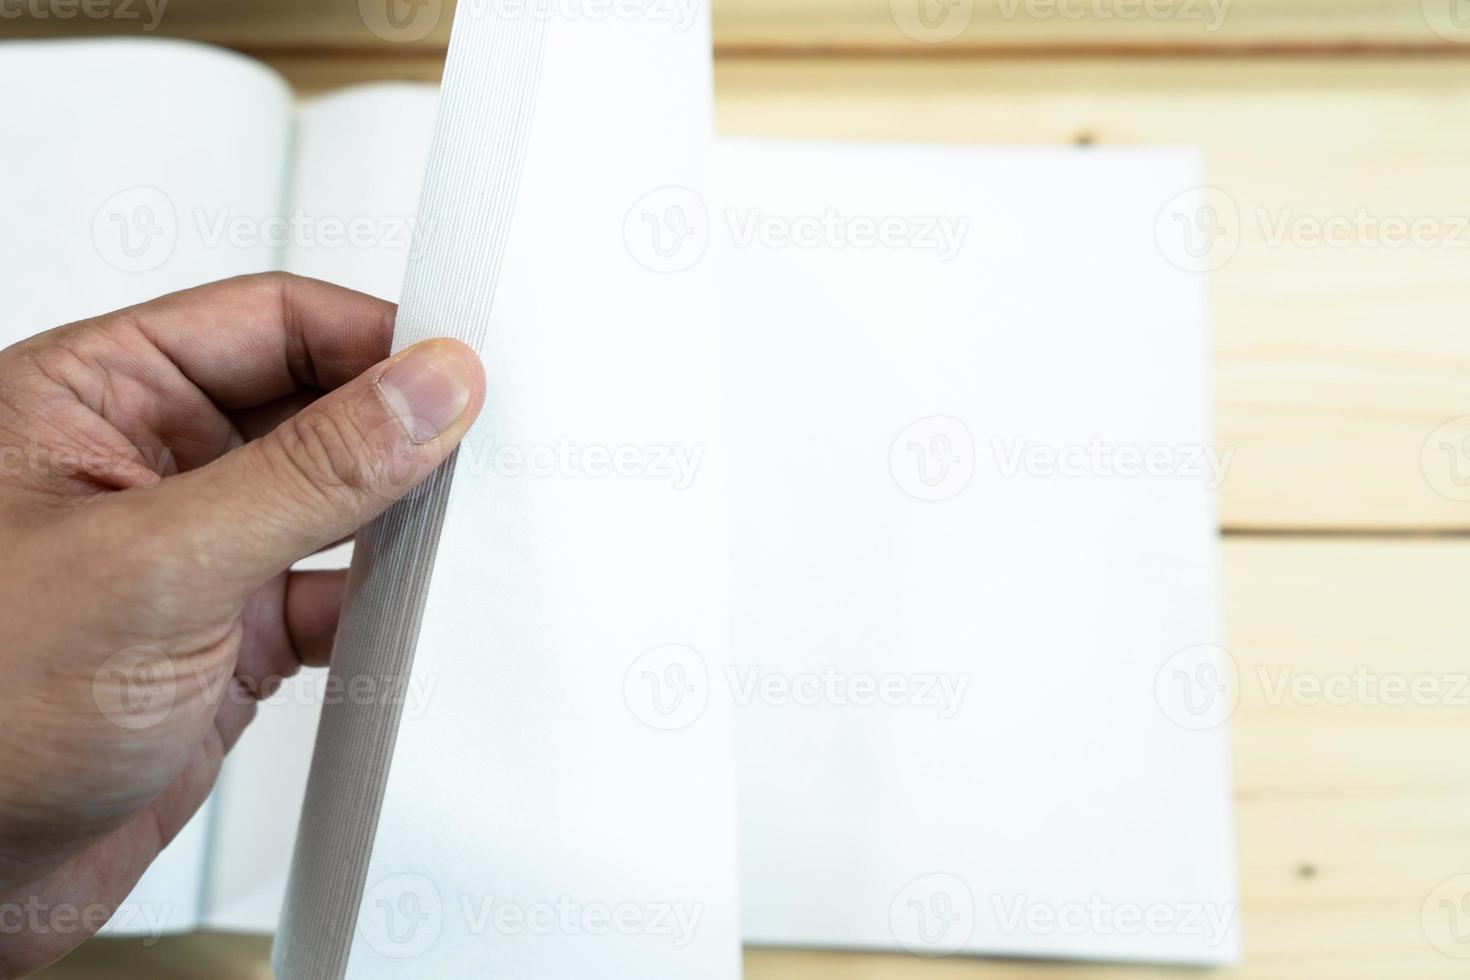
{"x":360,"y":159}
{"x":359,"y":163}
{"x":122,"y":163}
{"x":960,"y":626}
{"x":121,"y":159}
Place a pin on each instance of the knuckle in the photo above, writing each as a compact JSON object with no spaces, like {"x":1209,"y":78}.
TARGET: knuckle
{"x":329,"y":453}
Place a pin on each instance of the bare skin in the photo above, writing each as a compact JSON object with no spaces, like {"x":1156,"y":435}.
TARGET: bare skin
{"x":161,"y":469}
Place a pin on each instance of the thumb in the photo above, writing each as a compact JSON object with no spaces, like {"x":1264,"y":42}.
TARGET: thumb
{"x":333,"y":467}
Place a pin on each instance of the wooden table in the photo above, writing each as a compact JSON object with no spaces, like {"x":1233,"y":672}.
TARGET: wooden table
{"x":1336,"y":368}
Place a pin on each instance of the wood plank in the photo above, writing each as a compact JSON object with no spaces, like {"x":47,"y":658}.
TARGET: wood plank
{"x":1335,"y":365}
{"x":312,"y":75}
{"x":1350,"y":809}
{"x":887,"y":26}
{"x":298,"y":25}
{"x":953,"y":26}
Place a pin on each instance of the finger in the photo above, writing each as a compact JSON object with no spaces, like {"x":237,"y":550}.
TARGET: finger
{"x":250,"y":340}
{"x":313,"y":608}
{"x":339,"y":562}
{"x":173,"y":381}
{"x":236,"y":711}
{"x":288,"y":623}
{"x":324,"y":472}
{"x":252,"y":423}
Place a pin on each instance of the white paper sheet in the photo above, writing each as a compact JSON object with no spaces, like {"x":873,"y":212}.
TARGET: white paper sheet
{"x":359,"y":165}
{"x":122,"y":161}
{"x":956,"y":634}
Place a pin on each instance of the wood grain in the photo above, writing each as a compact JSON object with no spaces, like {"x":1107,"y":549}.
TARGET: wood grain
{"x":921,"y":27}
{"x":1351,"y":811}
{"x":1037,"y":26}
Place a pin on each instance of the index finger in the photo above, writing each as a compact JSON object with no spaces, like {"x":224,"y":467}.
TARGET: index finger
{"x":248,"y":341}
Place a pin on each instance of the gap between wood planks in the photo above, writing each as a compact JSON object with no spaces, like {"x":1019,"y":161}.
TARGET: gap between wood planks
{"x":952,"y":51}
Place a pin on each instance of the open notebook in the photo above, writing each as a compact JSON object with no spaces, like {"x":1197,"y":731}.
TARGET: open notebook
{"x":962,"y":616}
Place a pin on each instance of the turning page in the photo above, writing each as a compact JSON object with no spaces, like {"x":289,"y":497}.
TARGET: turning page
{"x":539,"y":815}
{"x":971,"y":487}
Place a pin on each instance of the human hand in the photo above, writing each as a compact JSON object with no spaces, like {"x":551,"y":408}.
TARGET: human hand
{"x":161,"y":469}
